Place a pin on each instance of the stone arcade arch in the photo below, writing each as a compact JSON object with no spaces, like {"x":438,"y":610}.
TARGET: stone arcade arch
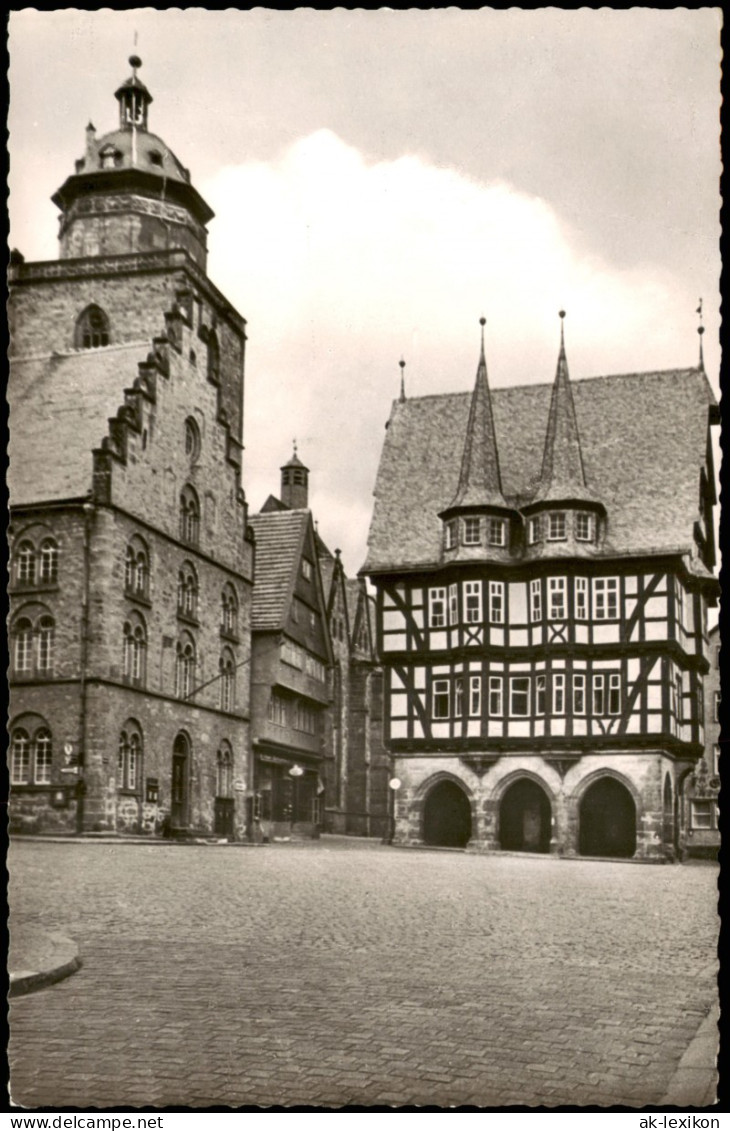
{"x":607,"y":820}
{"x":525,"y":817}
{"x":447,"y":818}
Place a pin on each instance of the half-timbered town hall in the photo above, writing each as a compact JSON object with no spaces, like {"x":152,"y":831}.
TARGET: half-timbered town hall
{"x":543,"y":560}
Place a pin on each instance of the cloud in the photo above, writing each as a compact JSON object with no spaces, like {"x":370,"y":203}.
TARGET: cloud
{"x":341,"y":265}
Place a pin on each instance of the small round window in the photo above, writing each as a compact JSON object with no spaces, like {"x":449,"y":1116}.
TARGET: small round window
{"x":192,"y":439}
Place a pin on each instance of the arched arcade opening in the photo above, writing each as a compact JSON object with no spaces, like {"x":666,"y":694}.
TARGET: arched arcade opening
{"x":607,"y":820}
{"x":447,"y":816}
{"x":524,"y":818}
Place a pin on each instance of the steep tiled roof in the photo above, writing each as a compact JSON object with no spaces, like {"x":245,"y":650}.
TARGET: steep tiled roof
{"x":279,"y":538}
{"x":563,"y":475}
{"x":59,"y":409}
{"x":479,"y":479}
{"x":643,"y":437}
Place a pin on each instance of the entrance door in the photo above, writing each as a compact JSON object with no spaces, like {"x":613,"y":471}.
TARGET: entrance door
{"x":607,"y":820}
{"x":179,"y":784}
{"x":447,"y":816}
{"x":524,"y":818}
{"x":223,"y":816}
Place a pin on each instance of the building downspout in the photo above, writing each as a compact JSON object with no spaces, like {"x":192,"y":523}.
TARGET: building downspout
{"x":85,"y":618}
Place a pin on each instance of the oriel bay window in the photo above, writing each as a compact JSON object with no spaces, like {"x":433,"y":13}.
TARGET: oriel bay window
{"x":496,"y":602}
{"x":605,"y":598}
{"x":495,"y":696}
{"x":581,"y":598}
{"x":458,"y":696}
{"x":533,"y":531}
{"x":472,"y":531}
{"x":437,"y":607}
{"x":584,"y":526}
{"x":579,"y":694}
{"x":496,"y":531}
{"x":441,"y":704}
{"x":473,"y":602}
{"x":556,"y":531}
{"x":519,"y":695}
{"x":450,"y":529}
{"x":540,"y":684}
{"x":558,"y":681}
{"x":536,"y":600}
{"x":556,"y":598}
{"x":453,"y":604}
{"x":475,"y":696}
{"x":606,"y":693}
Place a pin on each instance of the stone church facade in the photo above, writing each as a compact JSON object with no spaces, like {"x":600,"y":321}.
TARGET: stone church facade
{"x":131,"y":555}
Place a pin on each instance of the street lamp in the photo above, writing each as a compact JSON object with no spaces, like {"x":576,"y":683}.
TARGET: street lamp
{"x":295,"y":772}
{"x":393,"y":786}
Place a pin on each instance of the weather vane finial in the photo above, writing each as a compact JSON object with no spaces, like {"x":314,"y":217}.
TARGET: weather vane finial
{"x":402,"y":380}
{"x":700,"y":331}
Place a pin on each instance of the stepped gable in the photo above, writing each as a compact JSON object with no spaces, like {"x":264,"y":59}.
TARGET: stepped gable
{"x":279,"y":539}
{"x":60,"y":408}
{"x":643,"y":435}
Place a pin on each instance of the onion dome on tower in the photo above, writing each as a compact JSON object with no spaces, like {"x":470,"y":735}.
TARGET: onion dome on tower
{"x":563,"y":508}
{"x":129,"y":192}
{"x":477,"y":521}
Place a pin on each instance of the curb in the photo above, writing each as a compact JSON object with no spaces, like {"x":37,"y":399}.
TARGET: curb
{"x":56,"y":957}
{"x":695,"y":1081}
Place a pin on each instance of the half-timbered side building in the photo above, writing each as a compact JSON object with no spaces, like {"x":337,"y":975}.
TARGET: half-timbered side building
{"x":543,"y":560}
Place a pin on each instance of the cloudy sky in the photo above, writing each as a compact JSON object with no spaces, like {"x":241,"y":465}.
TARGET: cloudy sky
{"x":382,"y":179}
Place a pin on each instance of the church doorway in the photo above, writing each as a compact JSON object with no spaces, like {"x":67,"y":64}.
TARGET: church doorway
{"x":524,"y":818}
{"x":179,"y":782}
{"x":447,"y":816}
{"x":607,"y":820}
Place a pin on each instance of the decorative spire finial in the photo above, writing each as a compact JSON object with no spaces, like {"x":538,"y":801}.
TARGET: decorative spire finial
{"x":402,"y":380}
{"x":561,"y":315}
{"x":134,"y":61}
{"x":700,"y":331}
{"x":294,"y":444}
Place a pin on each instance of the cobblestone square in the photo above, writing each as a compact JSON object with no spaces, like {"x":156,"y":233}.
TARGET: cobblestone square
{"x":344,"y":972}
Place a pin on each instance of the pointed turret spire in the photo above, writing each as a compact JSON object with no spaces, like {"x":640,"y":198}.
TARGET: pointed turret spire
{"x":563,"y":476}
{"x":480,"y":483}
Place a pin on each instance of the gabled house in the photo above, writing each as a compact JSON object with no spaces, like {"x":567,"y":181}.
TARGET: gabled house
{"x":290,"y":672}
{"x":543,"y":557}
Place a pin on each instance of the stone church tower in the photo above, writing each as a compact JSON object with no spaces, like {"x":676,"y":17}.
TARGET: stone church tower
{"x":131,"y":554}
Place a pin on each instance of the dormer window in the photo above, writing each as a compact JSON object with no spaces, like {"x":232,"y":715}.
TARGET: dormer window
{"x":472,"y":532}
{"x":496,"y":528}
{"x":557,"y":531}
{"x":155,"y":157}
{"x":533,"y":531}
{"x":450,"y":534}
{"x":584,"y":527}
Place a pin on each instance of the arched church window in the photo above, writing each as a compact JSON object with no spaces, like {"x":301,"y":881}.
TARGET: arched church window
{"x":92,"y":329}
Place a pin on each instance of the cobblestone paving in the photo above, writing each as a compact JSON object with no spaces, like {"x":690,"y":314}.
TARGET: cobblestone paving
{"x":335,"y":973}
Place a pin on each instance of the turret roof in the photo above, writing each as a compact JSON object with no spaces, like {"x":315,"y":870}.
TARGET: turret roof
{"x":562,"y":477}
{"x":480,"y":483}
